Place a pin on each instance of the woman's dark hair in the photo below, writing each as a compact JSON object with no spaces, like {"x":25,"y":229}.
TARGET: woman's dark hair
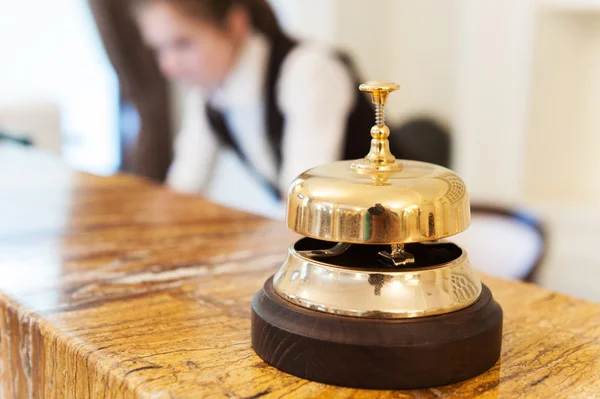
{"x":261,"y":14}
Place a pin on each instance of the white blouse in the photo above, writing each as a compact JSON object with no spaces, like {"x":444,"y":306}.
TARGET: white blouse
{"x":315,"y":93}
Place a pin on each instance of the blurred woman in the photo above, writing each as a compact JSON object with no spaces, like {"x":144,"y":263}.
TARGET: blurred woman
{"x":262,"y":108}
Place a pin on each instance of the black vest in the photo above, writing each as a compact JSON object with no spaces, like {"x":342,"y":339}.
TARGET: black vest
{"x":359,"y":122}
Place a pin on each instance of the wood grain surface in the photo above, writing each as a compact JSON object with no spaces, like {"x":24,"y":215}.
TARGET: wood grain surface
{"x":112,"y":287}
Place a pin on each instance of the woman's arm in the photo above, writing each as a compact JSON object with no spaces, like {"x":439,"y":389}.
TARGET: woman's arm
{"x":196,"y":148}
{"x":316,"y":96}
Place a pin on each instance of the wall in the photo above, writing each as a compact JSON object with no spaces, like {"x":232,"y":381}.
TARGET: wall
{"x":564,"y":136}
{"x":492,"y":81}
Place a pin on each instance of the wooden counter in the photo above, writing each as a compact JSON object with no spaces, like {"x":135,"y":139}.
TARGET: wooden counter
{"x":117,"y":288}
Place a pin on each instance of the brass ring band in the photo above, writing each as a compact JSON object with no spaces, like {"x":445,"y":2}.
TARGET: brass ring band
{"x":382,"y":293}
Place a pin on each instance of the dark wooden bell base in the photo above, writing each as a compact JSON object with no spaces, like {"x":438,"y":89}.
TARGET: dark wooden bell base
{"x":376,"y":353}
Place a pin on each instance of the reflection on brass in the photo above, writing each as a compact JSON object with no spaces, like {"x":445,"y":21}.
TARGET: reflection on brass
{"x":334,"y":203}
{"x":397,"y":257}
{"x":456,"y":187}
{"x":377,"y":281}
{"x":391,"y":293}
{"x":337,"y":250}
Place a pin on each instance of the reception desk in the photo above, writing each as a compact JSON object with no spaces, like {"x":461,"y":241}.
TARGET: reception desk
{"x":114,"y":287}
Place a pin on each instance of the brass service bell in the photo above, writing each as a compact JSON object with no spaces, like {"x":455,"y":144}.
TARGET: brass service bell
{"x":374,"y":295}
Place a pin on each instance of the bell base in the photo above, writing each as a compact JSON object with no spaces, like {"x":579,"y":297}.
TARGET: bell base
{"x":376,"y":353}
